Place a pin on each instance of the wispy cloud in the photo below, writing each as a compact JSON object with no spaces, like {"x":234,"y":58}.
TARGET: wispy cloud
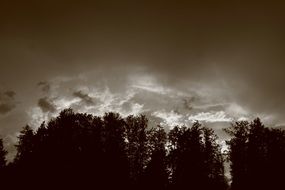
{"x":170,"y":119}
{"x":219,"y":116}
{"x":168,"y":106}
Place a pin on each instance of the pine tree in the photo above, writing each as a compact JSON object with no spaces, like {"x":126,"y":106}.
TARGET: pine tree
{"x":238,"y":154}
{"x":25,"y":145}
{"x":3,"y":153}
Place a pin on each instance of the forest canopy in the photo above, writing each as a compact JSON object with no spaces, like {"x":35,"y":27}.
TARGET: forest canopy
{"x":83,"y":151}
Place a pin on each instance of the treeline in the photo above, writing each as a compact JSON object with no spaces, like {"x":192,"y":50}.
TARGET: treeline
{"x":82,"y":151}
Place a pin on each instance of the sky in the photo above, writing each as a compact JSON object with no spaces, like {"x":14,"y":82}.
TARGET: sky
{"x":174,"y":61}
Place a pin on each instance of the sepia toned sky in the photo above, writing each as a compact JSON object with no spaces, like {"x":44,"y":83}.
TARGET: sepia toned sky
{"x":175,"y":61}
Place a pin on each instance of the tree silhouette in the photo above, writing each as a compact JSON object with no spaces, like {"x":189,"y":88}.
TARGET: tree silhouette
{"x":275,"y":159}
{"x":238,"y":151}
{"x":137,"y":146}
{"x":156,"y":173}
{"x":214,"y":161}
{"x":116,"y":162}
{"x":82,"y":151}
{"x":3,"y":174}
{"x":195,"y":158}
{"x":256,"y":155}
{"x":25,"y":145}
{"x":3,"y":153}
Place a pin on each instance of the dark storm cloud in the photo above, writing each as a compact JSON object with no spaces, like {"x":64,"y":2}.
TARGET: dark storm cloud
{"x":10,"y":93}
{"x":46,"y":105}
{"x":45,"y":86}
{"x":7,"y":102}
{"x":84,"y":97}
{"x":5,"y":108}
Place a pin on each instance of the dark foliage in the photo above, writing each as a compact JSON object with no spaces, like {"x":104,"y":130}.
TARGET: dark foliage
{"x":3,"y":153}
{"x":257,"y":156}
{"x":195,"y":158}
{"x":82,"y":151}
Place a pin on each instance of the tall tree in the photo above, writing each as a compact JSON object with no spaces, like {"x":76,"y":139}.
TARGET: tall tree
{"x":4,"y":175}
{"x":137,"y":150}
{"x":238,"y":154}
{"x":156,"y":173}
{"x":195,"y":158}
{"x":116,"y":162}
{"x":256,"y":154}
{"x":275,"y":160}
{"x":24,"y":161}
{"x":25,"y":145}
{"x":3,"y":153}
{"x":214,"y":161}
{"x":186,"y":155}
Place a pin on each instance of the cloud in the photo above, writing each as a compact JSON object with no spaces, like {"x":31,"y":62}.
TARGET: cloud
{"x":45,"y":86}
{"x":170,"y":119}
{"x":84,"y":97}
{"x":210,"y":117}
{"x":6,"y":107}
{"x":46,"y":105}
{"x":232,"y":63}
{"x":219,"y":51}
{"x":10,"y":93}
{"x":187,"y":102}
{"x":7,"y":102}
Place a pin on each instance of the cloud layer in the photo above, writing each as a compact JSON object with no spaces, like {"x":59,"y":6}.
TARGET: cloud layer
{"x":174,"y":61}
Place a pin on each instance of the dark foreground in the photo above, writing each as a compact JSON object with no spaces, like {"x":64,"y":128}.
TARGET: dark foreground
{"x":81,"y":151}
